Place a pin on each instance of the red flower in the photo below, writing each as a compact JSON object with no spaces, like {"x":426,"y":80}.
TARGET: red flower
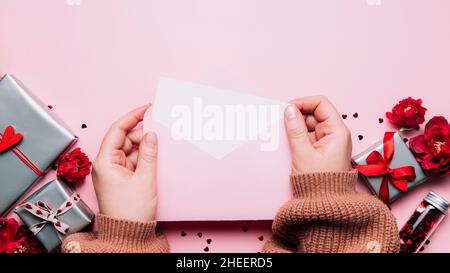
{"x":74,"y":166}
{"x":17,"y":239}
{"x":408,"y":113}
{"x":8,"y":228}
{"x":432,"y":149}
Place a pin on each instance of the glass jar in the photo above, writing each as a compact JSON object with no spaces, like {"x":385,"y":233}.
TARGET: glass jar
{"x":424,"y":221}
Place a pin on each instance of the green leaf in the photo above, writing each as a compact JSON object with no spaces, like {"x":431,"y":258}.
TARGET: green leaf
{"x":405,"y":129}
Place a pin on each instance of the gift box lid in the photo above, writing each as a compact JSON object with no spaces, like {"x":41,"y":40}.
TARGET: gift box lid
{"x":45,"y":138}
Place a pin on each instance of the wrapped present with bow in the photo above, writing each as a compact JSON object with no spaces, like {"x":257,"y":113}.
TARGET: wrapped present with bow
{"x":31,"y":139}
{"x":389,"y":168}
{"x":53,"y":212}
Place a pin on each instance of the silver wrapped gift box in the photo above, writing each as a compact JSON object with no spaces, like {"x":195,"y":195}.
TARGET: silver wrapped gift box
{"x":402,"y":156}
{"x":45,"y":138}
{"x":56,"y":194}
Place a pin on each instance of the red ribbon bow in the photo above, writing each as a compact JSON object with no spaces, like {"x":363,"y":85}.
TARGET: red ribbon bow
{"x":378,"y":165}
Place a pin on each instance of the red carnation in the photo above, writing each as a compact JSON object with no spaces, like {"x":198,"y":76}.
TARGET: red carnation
{"x":432,"y":149}
{"x":74,"y":166}
{"x":17,"y":239}
{"x":408,"y":113}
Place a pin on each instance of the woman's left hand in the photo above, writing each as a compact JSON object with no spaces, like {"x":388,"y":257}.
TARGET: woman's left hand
{"x":124,"y":171}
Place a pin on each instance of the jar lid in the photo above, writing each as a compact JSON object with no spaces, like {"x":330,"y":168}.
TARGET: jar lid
{"x":437,"y":201}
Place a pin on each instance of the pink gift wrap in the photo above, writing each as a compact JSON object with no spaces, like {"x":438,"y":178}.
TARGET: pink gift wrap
{"x":95,"y":60}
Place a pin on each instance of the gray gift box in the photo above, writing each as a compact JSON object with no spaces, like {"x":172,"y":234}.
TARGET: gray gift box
{"x":56,"y":193}
{"x":45,"y":138}
{"x":402,"y":157}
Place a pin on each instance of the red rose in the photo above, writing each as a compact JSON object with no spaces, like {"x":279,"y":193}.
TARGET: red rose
{"x":26,"y":242}
{"x":15,"y":239}
{"x":408,"y":113}
{"x":74,"y":166}
{"x":432,"y":149}
{"x":8,"y":229}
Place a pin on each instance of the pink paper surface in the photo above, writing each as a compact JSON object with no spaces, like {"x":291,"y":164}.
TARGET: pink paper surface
{"x":99,"y":59}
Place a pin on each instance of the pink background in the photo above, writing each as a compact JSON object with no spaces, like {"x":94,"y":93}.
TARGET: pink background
{"x":97,"y":60}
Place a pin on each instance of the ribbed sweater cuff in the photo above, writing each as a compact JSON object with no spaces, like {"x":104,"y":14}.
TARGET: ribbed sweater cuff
{"x":125,"y":232}
{"x":324,"y":183}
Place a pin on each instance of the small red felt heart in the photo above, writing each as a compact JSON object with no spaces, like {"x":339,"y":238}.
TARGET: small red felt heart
{"x":9,"y":139}
{"x":68,"y":204}
{"x":58,"y":224}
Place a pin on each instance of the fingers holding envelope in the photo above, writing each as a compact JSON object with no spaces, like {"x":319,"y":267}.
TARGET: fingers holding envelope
{"x":317,"y":135}
{"x":126,"y":166}
{"x":120,"y":138}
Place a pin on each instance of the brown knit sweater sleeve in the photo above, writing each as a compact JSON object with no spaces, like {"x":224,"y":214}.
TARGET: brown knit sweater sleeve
{"x":328,"y":215}
{"x":117,"y":235}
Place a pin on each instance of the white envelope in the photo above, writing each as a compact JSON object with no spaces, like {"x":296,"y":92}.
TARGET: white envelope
{"x":223,"y":155}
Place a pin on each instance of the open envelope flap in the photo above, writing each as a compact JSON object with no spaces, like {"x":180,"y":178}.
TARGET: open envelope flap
{"x":211,"y":168}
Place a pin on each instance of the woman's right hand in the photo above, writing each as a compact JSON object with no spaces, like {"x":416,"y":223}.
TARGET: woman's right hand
{"x":318,"y":138}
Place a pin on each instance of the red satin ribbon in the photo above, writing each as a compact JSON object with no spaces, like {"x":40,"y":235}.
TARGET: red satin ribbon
{"x":378,"y":165}
{"x":22,"y":156}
